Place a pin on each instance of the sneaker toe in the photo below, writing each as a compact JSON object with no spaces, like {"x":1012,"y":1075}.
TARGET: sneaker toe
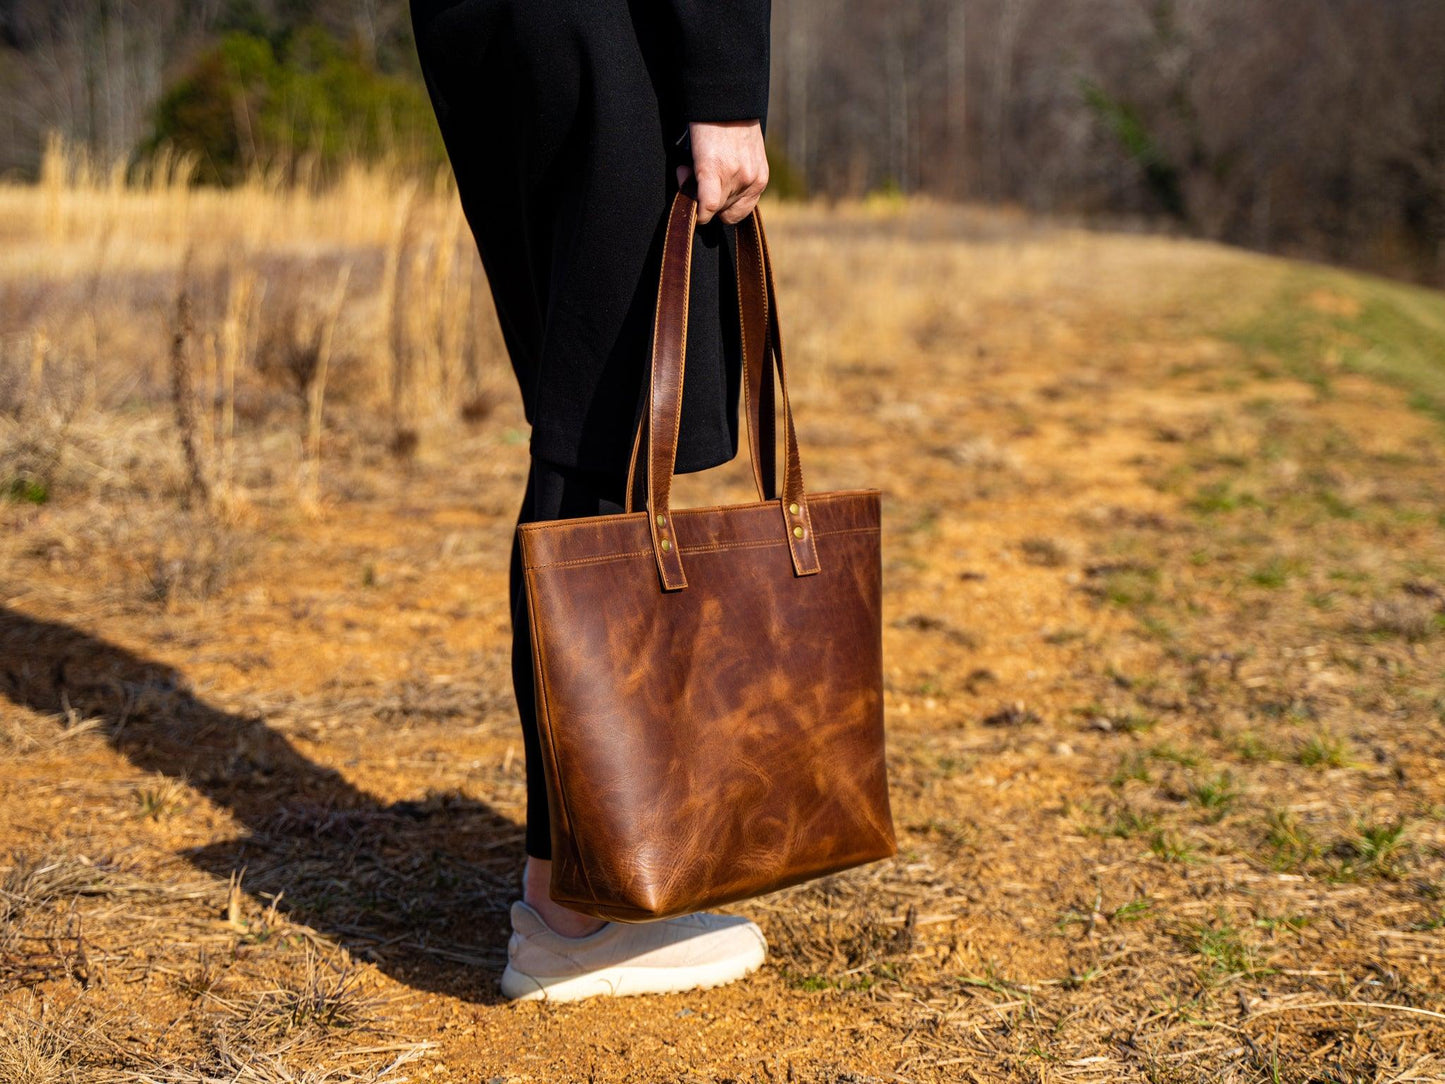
{"x":732,"y":937}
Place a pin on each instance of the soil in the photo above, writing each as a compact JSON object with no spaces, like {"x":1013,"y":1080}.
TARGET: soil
{"x":1165,"y":663}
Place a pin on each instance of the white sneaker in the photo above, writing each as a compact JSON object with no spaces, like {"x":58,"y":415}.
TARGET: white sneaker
{"x":625,"y":958}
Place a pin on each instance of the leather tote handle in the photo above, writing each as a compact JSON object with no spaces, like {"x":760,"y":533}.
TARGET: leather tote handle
{"x":762,"y":341}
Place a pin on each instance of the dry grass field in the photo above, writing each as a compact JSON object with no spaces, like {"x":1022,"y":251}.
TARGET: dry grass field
{"x":1164,"y":541}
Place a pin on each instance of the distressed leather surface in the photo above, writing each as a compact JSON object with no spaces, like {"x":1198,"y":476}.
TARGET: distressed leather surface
{"x":711,"y":709}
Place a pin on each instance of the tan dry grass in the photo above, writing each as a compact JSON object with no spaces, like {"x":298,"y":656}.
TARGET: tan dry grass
{"x":1163,"y":631}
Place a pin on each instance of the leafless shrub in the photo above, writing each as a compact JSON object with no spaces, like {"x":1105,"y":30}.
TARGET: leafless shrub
{"x":289,"y":1063}
{"x":183,"y":393}
{"x":1412,"y":618}
{"x":39,"y":1045}
{"x":160,"y":797}
{"x":933,"y":623}
{"x":840,"y":931}
{"x":1011,"y":715}
{"x":34,"y":881}
{"x":24,"y":735}
{"x":326,"y":996}
{"x":290,"y":1032}
{"x":189,"y":557}
{"x":1045,"y":552}
{"x":290,"y":347}
{"x":982,"y":453}
{"x":478,"y":408}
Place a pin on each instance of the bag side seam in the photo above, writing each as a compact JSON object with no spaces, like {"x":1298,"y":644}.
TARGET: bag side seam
{"x":545,"y":701}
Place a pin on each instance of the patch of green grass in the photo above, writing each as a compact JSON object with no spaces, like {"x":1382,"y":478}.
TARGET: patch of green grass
{"x":1403,"y":333}
{"x":159,"y":799}
{"x":817,"y":982}
{"x":1131,"y":586}
{"x":1136,"y":722}
{"x":1124,"y":722}
{"x":1251,"y":748}
{"x":1158,"y":628}
{"x":1290,"y":844}
{"x":1217,"y":497}
{"x":1323,"y":751}
{"x":1260,"y":407}
{"x":1275,"y":573}
{"x":1349,"y":575}
{"x":1392,"y":331}
{"x":1224,"y":952}
{"x":1127,"y":823}
{"x":1335,"y":506}
{"x":948,"y":766}
{"x":1185,"y":758}
{"x":1292,"y":923}
{"x":1215,"y":795}
{"x":25,"y":490}
{"x":1431,"y":924}
{"x":1077,"y":980}
{"x":1170,"y":848}
{"x":1133,"y":766}
{"x":1375,"y":848}
{"x":1132,"y":911}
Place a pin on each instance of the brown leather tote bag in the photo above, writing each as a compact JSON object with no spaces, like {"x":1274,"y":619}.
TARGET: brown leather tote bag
{"x":709,"y":680}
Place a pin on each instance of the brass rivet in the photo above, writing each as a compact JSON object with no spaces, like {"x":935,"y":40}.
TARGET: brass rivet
{"x":793,"y":508}
{"x":797,"y":532}
{"x":661,"y":520}
{"x":666,"y":545}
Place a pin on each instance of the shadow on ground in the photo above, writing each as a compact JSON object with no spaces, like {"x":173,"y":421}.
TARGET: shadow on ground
{"x":419,"y":887}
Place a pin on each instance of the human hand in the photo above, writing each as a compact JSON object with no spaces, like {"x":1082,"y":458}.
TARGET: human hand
{"x":731,"y":166}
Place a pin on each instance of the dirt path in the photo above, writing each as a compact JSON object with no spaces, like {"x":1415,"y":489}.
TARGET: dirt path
{"x":1164,"y":652}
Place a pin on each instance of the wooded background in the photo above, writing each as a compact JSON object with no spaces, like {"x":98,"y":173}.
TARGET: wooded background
{"x":1313,"y":127}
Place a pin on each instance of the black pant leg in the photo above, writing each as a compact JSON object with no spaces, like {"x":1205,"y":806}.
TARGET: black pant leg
{"x":553,"y":492}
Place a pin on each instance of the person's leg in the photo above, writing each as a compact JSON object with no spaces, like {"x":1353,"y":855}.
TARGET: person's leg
{"x":553,"y":492}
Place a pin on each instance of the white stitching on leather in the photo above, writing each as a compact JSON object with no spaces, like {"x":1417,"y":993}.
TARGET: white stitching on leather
{"x":698,"y":548}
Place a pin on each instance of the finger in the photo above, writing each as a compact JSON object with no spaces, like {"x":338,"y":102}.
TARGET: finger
{"x":683,"y":173}
{"x":743,"y":203}
{"x":709,"y":195}
{"x":734,"y":189}
{"x":740,"y":208}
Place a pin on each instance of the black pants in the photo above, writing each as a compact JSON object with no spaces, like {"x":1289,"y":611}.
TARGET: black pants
{"x":553,"y":491}
{"x":561,"y":120}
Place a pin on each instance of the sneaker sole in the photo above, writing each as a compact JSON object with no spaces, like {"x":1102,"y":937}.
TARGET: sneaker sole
{"x":628,"y":981}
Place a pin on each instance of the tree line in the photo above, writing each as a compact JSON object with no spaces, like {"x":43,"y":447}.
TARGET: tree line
{"x":1314,"y":127}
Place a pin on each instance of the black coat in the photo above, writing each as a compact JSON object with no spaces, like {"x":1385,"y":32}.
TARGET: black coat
{"x":562,"y":119}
